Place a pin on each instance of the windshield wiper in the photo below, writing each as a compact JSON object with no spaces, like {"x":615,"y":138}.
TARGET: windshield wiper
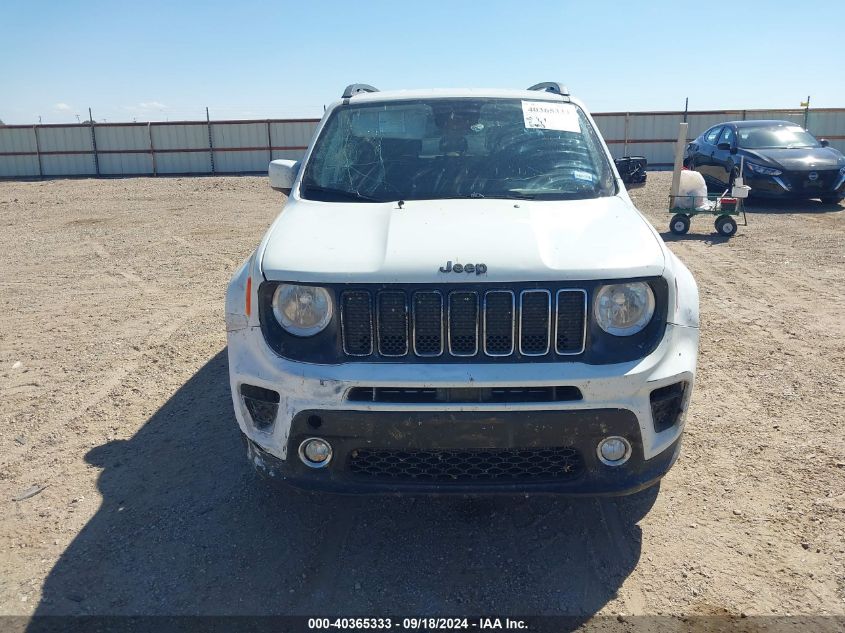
{"x":341,"y":193}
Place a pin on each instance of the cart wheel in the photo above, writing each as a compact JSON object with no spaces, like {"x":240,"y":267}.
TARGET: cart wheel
{"x":679,"y":224}
{"x":725,"y":225}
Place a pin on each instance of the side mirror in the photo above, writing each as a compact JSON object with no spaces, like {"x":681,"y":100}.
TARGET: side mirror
{"x":824,"y":142}
{"x":724,"y":146}
{"x":283,"y":174}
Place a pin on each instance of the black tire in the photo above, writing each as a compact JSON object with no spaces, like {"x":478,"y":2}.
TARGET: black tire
{"x":725,"y":225}
{"x":679,"y":225}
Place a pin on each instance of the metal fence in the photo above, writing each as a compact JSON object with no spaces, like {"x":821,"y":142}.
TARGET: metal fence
{"x":237,"y":147}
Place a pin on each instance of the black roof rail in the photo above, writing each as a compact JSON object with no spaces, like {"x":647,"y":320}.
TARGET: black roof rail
{"x":354,"y":89}
{"x":551,"y":86}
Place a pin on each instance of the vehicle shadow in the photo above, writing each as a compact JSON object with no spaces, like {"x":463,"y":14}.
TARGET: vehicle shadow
{"x":186,"y":528}
{"x":777,"y":205}
{"x":712,"y":238}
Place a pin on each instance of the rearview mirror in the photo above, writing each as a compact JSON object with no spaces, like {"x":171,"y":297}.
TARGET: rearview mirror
{"x":824,"y":142}
{"x":283,"y":174}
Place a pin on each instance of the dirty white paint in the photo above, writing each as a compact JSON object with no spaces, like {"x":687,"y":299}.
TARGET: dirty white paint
{"x":601,"y":238}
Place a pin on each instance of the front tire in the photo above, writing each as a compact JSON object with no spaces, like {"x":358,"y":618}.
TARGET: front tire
{"x":725,"y":226}
{"x":679,"y":224}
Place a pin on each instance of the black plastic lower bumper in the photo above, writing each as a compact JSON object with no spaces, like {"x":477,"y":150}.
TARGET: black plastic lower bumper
{"x":799,"y":187}
{"x":456,"y":435}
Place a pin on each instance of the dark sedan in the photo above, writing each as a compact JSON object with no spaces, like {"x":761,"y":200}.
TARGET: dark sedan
{"x":782,"y":159}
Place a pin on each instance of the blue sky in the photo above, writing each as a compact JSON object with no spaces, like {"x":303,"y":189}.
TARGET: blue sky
{"x":168,"y":60}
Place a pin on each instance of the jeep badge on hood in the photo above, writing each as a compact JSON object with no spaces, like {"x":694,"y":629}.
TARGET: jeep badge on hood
{"x":478,"y":269}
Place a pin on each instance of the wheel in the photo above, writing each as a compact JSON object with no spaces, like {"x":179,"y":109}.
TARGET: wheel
{"x":725,"y":225}
{"x":679,"y":224}
{"x":832,"y":199}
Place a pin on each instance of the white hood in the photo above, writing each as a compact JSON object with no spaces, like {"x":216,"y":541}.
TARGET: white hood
{"x":517,"y":240}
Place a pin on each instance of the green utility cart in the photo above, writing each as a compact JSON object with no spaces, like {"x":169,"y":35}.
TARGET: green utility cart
{"x":724,"y":207}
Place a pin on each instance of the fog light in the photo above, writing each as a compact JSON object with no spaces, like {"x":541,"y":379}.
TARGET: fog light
{"x":614,"y":451}
{"x":315,"y":453}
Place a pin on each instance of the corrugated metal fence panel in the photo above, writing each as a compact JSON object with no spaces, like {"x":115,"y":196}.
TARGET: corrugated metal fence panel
{"x":134,"y":138}
{"x":183,"y":136}
{"x":611,"y":126}
{"x":239,"y":135}
{"x":655,"y":153}
{"x":796,"y":116}
{"x":658,"y":127}
{"x":18,"y":166}
{"x":829,"y":123}
{"x":122,"y":137}
{"x":125,"y":164}
{"x":65,"y":139}
{"x":14,"y":141}
{"x":76,"y":141}
{"x":292,"y":134}
{"x":175,"y":136}
{"x":241,"y":162}
{"x":69,"y":165}
{"x":288,"y":154}
{"x":184,"y":163}
{"x":242,"y":136}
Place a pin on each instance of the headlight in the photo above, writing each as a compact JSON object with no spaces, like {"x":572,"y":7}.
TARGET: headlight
{"x":763,"y":171}
{"x":624,"y":309}
{"x":302,"y":310}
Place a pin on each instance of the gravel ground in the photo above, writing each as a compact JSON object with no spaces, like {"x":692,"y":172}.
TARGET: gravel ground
{"x":115,"y":402}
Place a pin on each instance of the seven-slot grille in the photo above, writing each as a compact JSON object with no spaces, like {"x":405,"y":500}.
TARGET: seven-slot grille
{"x":463,"y":323}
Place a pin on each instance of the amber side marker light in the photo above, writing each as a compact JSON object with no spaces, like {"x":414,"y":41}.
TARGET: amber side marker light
{"x":248,"y":300}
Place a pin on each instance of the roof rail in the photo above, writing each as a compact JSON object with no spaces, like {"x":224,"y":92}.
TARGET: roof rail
{"x":354,"y":89}
{"x":551,"y":86}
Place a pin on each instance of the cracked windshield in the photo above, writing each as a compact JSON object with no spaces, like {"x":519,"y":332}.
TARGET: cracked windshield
{"x":457,"y":148}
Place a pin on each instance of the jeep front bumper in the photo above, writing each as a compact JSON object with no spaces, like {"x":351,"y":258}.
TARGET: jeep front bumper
{"x":464,"y":447}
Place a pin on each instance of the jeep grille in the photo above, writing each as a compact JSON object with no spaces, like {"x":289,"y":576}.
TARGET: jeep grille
{"x":463,"y":323}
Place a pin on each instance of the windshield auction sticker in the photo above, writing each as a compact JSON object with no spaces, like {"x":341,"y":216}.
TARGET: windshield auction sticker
{"x":547,"y":115}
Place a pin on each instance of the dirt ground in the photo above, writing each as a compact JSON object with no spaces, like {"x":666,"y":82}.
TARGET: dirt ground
{"x":115,"y":401}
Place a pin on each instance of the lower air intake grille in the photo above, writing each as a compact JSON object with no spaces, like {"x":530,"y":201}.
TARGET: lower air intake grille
{"x":262,"y":405}
{"x":464,"y":394}
{"x":467,"y":465}
{"x":667,"y":405}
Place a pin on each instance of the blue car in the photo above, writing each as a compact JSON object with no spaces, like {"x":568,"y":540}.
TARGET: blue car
{"x":782,"y":160}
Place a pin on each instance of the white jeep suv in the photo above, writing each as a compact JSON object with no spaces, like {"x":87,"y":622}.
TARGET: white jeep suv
{"x":459,"y":296}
